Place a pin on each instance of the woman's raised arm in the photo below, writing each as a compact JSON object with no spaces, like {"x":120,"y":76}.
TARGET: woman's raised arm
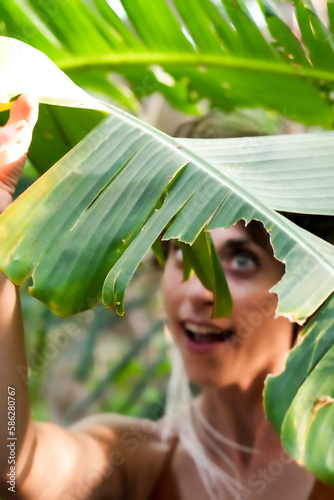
{"x":38,"y":460}
{"x":15,"y":138}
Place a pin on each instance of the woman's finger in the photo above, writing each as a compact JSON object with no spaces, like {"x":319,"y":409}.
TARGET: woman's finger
{"x":24,"y":108}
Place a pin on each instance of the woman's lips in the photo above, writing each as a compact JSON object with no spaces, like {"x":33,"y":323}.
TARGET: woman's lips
{"x":204,"y":338}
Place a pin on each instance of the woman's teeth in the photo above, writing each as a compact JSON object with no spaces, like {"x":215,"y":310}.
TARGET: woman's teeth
{"x":206,"y":334}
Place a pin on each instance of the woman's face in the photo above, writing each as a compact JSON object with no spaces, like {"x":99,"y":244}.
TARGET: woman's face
{"x":238,"y":348}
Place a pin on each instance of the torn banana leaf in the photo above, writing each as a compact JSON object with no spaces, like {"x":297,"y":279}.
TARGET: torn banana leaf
{"x":83,"y":228}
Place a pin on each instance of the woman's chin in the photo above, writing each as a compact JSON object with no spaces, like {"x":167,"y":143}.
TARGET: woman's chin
{"x":207,"y":378}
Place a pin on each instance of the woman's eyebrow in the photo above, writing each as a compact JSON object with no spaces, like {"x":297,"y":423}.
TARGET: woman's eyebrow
{"x":238,"y":242}
{"x":243,"y":242}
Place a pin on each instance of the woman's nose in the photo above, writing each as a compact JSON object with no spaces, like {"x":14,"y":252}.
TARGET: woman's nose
{"x":197,"y":293}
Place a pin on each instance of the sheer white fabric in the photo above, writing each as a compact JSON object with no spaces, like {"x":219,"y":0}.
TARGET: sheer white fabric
{"x":198,"y":437}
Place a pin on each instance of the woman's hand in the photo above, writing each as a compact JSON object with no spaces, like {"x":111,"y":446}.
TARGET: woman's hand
{"x":15,"y":138}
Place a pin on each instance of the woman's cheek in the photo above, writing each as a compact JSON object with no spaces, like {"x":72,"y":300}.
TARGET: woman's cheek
{"x":248,"y":297}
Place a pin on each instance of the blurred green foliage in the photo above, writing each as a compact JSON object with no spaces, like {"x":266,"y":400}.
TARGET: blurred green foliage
{"x":97,"y":361}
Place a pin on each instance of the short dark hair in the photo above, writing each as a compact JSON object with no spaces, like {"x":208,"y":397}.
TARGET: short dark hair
{"x":320,"y":225}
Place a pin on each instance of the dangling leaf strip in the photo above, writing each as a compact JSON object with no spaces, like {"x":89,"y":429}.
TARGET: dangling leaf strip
{"x":202,"y":257}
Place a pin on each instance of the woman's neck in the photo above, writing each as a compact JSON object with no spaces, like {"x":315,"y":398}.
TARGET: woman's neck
{"x":237,"y":413}
{"x":236,"y":408}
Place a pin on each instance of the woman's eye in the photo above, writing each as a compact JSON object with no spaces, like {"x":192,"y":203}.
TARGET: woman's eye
{"x":244,"y":262}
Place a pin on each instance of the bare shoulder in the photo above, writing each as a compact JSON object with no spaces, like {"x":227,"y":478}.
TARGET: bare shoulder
{"x":108,"y":456}
{"x":132,"y":447}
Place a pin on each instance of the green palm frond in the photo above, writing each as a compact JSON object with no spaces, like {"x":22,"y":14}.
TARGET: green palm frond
{"x":188,"y":51}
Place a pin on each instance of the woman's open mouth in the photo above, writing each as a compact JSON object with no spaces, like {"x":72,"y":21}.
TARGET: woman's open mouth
{"x":202,"y":337}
